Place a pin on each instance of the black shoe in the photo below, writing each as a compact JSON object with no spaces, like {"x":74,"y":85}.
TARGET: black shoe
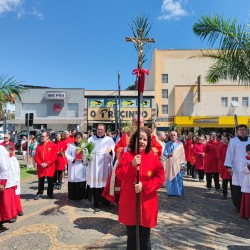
{"x":20,"y":213}
{"x":59,"y":187}
{"x":38,"y":196}
{"x":54,"y":187}
{"x":51,"y":196}
{"x":12,"y":220}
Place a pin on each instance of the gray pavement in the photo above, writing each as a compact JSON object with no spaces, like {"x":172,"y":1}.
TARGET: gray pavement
{"x":199,"y":220}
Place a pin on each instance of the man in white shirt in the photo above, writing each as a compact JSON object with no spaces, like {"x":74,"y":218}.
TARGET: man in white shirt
{"x":235,"y":152}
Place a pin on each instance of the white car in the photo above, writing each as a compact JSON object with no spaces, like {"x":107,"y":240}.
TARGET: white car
{"x":1,"y":137}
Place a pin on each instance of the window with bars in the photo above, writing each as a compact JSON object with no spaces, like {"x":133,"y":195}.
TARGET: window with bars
{"x":164,"y":109}
{"x":164,"y":93}
{"x":244,"y":101}
{"x":164,"y":78}
{"x":224,"y":101}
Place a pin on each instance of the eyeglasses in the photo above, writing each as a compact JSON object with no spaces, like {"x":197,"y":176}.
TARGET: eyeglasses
{"x":6,"y":137}
{"x":172,"y":135}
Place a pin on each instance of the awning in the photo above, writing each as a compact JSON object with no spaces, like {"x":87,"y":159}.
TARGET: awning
{"x":48,"y":121}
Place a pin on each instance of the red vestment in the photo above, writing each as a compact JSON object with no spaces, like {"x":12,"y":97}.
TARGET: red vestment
{"x":46,"y":153}
{"x":119,"y":151}
{"x":152,"y":177}
{"x":8,"y":205}
{"x":69,"y":140}
{"x":211,"y":157}
{"x":199,"y":159}
{"x":188,"y":144}
{"x":61,"y":161}
{"x":222,"y":150}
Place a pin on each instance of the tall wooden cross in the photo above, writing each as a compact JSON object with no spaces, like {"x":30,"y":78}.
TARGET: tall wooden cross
{"x":140,"y":41}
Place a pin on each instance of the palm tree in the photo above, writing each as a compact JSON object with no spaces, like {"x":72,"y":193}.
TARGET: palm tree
{"x":232,"y":54}
{"x":10,"y":89}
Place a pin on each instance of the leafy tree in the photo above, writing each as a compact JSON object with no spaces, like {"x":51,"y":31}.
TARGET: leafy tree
{"x":232,"y":54}
{"x":10,"y":89}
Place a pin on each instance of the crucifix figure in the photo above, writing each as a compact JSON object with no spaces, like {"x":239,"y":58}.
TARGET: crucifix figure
{"x":140,"y":41}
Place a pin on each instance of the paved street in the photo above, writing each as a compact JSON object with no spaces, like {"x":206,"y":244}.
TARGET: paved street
{"x":199,"y":220}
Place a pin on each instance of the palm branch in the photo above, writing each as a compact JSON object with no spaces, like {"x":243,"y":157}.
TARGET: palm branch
{"x":9,"y":90}
{"x":141,"y":22}
{"x":232,"y":56}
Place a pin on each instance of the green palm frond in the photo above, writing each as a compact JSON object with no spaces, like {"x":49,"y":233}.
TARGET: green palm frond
{"x":232,"y":55}
{"x":87,"y":148}
{"x":9,"y":88}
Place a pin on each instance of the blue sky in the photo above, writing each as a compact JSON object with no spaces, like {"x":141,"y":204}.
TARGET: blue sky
{"x":81,"y":43}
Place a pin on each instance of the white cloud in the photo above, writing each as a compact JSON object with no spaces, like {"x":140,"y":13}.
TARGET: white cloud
{"x":17,"y":6}
{"x":9,"y":5}
{"x":172,"y":9}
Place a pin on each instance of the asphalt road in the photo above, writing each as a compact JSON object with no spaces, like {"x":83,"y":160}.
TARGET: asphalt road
{"x":199,"y":220}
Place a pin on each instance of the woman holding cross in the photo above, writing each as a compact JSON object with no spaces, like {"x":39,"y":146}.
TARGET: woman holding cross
{"x":151,"y":178}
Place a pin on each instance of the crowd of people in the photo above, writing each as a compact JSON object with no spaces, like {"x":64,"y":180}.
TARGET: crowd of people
{"x":116,"y":170}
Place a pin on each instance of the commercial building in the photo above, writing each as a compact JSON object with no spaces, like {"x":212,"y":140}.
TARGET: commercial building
{"x":186,"y":100}
{"x":53,"y":108}
{"x":59,"y":109}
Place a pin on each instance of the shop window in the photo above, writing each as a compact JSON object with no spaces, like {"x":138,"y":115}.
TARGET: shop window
{"x":72,"y":110}
{"x":164,"y":93}
{"x":224,"y":101}
{"x":244,"y":101}
{"x":164,"y":109}
{"x":164,"y":78}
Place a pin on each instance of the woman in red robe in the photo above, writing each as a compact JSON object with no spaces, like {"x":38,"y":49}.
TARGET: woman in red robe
{"x":151,"y":178}
{"x":61,"y":161}
{"x":199,"y":153}
{"x":211,"y":162}
{"x":224,"y":174}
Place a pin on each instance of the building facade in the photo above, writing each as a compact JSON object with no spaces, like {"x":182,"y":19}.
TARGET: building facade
{"x":105,"y":106}
{"x":57,"y":109}
{"x":185,"y":99}
{"x":64,"y":109}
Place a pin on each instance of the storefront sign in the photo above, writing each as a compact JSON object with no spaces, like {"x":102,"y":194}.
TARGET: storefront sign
{"x":55,"y":95}
{"x":124,"y":102}
{"x":109,"y":114}
{"x":207,"y":121}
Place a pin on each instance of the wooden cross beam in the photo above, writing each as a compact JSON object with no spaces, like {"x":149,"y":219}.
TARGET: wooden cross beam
{"x":140,"y":41}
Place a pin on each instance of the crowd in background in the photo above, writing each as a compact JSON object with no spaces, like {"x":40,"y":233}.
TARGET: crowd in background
{"x":205,"y":158}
